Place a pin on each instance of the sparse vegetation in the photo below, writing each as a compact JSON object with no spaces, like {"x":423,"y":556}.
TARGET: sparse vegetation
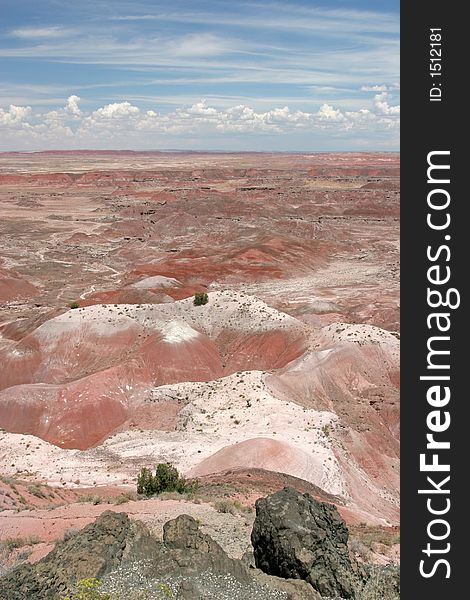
{"x":233,"y":507}
{"x":201,"y":298}
{"x":364,"y":537}
{"x":378,"y":585}
{"x":93,"y":498}
{"x":88,"y":589}
{"x":74,"y":304}
{"x":166,"y":479}
{"x":125,"y":497}
{"x":36,"y":490}
{"x":9,"y":545}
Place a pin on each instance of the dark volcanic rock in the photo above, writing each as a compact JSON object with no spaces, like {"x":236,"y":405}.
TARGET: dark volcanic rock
{"x":96,"y":550}
{"x":129,"y":559}
{"x":295,"y":536}
{"x":192,"y":550}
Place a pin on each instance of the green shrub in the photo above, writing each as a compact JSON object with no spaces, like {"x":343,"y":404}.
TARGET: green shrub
{"x":74,"y":305}
{"x":145,"y":482}
{"x":88,"y":589}
{"x":166,"y":479}
{"x":201,"y":298}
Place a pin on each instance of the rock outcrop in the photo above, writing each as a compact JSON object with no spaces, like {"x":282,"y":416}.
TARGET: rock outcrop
{"x":299,"y":547}
{"x":128,"y":559}
{"x":295,"y":536}
{"x":93,"y":552}
{"x":194,"y":551}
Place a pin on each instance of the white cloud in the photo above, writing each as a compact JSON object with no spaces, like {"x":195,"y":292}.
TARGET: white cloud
{"x":279,"y":16}
{"x":198,"y":44}
{"x":328,"y":113}
{"x":122,"y":124}
{"x":39,"y":33}
{"x":116,"y":110}
{"x":382,"y":105}
{"x":72,"y":105}
{"x":201,"y":108}
{"x":15,"y":115}
{"x":374,"y":88}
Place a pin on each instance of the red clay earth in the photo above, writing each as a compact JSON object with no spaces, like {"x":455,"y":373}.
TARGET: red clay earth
{"x":299,"y":255}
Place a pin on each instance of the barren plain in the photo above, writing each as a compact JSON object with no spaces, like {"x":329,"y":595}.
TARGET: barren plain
{"x":290,"y":373}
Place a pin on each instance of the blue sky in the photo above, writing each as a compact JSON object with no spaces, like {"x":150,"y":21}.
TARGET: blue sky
{"x":212,"y":74}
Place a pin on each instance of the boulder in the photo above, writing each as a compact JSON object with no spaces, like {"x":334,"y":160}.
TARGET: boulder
{"x":196,"y":551}
{"x":296,"y":537}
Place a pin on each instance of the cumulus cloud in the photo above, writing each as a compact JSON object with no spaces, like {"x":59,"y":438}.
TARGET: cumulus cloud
{"x":201,"y":108}
{"x":381,"y":102}
{"x":122,"y":124}
{"x":72,"y":105}
{"x":15,"y":115}
{"x":116,"y":110}
{"x":328,"y":113}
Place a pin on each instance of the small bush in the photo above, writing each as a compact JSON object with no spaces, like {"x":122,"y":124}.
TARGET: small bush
{"x":370,"y":535}
{"x":124,"y":497}
{"x":234,"y":507}
{"x":225,"y":506}
{"x":93,"y":498}
{"x":74,"y":305}
{"x":36,"y":490}
{"x":166,"y":479}
{"x":200,"y":298}
{"x":383,"y":583}
{"x":88,"y":589}
{"x":11,"y":544}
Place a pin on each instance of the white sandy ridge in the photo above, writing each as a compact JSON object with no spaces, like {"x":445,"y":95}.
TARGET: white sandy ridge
{"x":220,"y":413}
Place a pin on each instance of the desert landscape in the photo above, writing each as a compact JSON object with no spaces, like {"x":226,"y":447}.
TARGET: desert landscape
{"x":288,"y":376}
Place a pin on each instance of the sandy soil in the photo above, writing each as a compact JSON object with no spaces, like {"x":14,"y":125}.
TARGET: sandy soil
{"x":292,"y":367}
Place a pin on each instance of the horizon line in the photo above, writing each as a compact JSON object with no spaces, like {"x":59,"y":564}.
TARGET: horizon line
{"x":182,"y":151}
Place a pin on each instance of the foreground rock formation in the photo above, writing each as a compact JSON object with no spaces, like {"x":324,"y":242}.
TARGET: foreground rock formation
{"x":300,"y":545}
{"x":296,"y":537}
{"x":115,"y":549}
